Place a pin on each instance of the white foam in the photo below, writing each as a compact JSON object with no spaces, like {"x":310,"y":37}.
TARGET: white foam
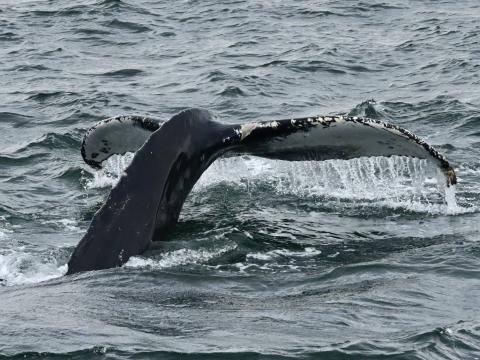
{"x":179,"y":257}
{"x":4,"y":233}
{"x":282,"y":260}
{"x":67,"y":224}
{"x":242,"y":267}
{"x":447,"y":331}
{"x":5,"y":228}
{"x":307,"y":252}
{"x":17,"y":268}
{"x":245,"y":267}
{"x":19,"y":265}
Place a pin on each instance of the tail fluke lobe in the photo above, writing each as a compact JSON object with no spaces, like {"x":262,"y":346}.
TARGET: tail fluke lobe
{"x":335,"y":137}
{"x":116,"y":135}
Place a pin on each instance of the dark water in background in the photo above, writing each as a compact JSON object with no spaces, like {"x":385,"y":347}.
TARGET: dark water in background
{"x":270,"y":259}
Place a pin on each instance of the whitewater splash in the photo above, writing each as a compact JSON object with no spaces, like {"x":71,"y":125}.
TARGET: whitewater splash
{"x":21,"y":265}
{"x":110,"y":173}
{"x":179,"y":257}
{"x":395,"y":182}
{"x":18,"y":267}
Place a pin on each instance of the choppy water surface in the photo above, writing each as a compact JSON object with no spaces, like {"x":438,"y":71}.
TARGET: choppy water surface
{"x":366,"y":259}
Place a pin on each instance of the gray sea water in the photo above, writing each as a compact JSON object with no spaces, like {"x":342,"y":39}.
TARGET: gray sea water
{"x":365,"y":259}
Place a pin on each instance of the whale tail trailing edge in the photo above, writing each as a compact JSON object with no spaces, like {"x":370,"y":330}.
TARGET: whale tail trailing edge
{"x":170,"y":157}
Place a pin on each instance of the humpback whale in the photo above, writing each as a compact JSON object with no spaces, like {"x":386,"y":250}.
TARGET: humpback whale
{"x":171,"y":156}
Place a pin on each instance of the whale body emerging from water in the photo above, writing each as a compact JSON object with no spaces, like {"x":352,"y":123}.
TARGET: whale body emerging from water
{"x":171,"y":156}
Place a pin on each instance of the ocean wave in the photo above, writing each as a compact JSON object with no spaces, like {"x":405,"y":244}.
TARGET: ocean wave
{"x":43,"y":96}
{"x":127,"y":25}
{"x":122,"y":73}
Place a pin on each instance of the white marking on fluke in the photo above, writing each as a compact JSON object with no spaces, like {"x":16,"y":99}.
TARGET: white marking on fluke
{"x":246,"y":129}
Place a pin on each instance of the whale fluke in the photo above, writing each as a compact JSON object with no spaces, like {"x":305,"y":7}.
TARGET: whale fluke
{"x":170,"y":157}
{"x":309,"y":138}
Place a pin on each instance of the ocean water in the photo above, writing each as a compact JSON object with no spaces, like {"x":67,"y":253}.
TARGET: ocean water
{"x":364,"y":259}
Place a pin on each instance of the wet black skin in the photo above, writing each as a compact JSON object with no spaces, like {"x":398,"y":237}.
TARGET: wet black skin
{"x":146,"y":202}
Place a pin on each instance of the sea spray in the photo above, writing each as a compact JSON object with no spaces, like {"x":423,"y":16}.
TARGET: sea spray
{"x":109,"y":174}
{"x":395,"y":182}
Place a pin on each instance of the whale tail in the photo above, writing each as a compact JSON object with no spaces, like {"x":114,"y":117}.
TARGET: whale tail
{"x":310,"y":138}
{"x":171,"y":156}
